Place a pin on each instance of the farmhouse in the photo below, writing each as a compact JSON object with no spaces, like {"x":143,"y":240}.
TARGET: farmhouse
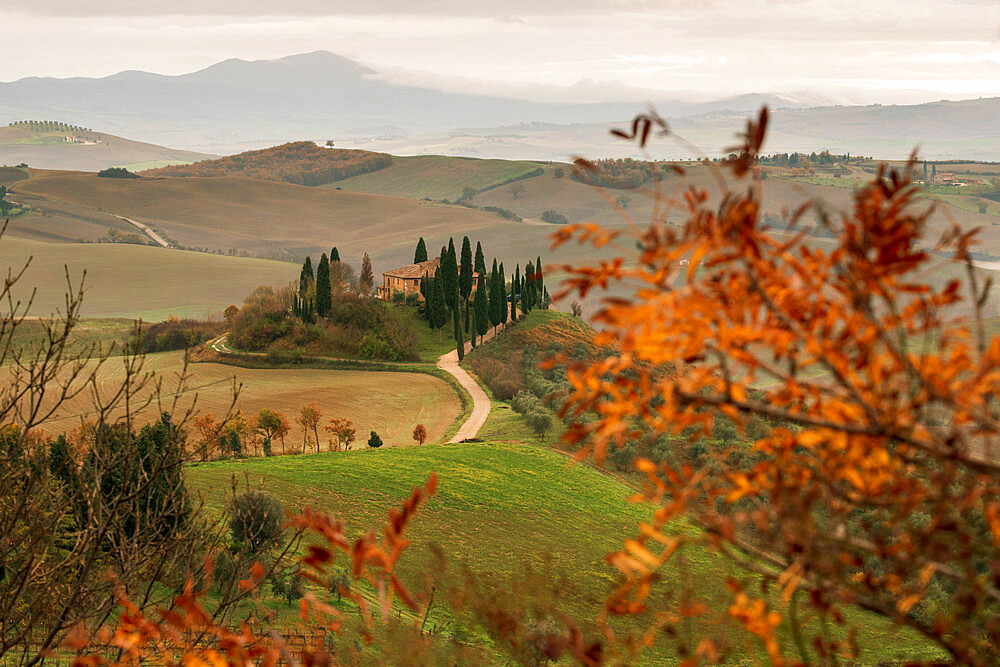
{"x":406,"y":279}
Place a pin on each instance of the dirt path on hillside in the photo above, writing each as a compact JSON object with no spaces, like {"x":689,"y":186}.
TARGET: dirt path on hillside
{"x":480,"y":401}
{"x":149,"y":232}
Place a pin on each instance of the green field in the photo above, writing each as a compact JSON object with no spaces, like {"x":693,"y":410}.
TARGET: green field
{"x":435,"y":176}
{"x":502,"y":507}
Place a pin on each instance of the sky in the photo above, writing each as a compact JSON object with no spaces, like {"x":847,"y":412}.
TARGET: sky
{"x":846,"y":51}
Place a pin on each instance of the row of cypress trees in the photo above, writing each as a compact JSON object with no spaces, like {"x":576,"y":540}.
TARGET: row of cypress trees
{"x":449,"y":293}
{"x":316,"y":288}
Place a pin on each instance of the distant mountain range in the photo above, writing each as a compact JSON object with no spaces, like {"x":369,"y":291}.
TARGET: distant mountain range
{"x":236,"y":104}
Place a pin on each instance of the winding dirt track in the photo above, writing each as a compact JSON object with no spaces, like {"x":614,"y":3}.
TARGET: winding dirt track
{"x":480,"y":401}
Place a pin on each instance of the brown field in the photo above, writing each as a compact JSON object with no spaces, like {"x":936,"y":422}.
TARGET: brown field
{"x":261,"y":216}
{"x":390,"y":403}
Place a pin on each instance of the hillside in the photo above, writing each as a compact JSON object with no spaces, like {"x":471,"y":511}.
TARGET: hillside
{"x":266,"y":218}
{"x":300,"y":162}
{"x":502,"y":509}
{"x":53,"y":145}
{"x":437,"y":176}
{"x":137,"y":281}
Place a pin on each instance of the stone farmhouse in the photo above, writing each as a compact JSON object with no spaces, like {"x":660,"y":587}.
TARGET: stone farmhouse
{"x":406,"y":279}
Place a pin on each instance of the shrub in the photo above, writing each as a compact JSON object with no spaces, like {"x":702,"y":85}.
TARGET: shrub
{"x":397,"y":297}
{"x":373,"y":347}
{"x":255,"y":520}
{"x":524,"y":402}
{"x":374,"y":441}
{"x":540,"y":421}
{"x":554,"y":218}
{"x":116,"y":172}
{"x":412,"y":298}
{"x":289,"y":585}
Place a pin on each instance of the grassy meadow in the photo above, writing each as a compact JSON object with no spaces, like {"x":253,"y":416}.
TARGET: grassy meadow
{"x":502,"y":509}
{"x":435,"y":176}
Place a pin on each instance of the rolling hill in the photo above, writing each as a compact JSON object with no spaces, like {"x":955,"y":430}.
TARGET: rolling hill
{"x":59,"y":146}
{"x":136,"y":281}
{"x":505,"y":509}
{"x":299,"y":162}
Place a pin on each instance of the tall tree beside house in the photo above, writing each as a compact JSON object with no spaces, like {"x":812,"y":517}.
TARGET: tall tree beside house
{"x":465,"y":272}
{"x":438,"y":306}
{"x":480,"y":263}
{"x":525,"y":300}
{"x":459,"y":339}
{"x":449,"y":271}
{"x":420,"y":254}
{"x":933,"y":171}
{"x":481,"y":307}
{"x":324,"y":300}
{"x":367,"y":280}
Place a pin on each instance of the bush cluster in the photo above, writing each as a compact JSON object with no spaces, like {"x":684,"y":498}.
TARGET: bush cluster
{"x":176,"y":335}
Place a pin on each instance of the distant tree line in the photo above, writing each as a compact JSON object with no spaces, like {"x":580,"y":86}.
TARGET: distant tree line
{"x":48,"y":126}
{"x":299,"y":162}
{"x":618,"y":173}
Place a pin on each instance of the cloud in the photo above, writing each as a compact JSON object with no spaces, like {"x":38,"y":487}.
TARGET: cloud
{"x":263,"y":8}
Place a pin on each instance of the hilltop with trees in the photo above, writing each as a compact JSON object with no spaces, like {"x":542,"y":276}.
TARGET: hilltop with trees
{"x":299,"y":162}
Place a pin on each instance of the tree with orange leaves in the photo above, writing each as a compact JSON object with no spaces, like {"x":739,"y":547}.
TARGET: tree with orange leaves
{"x":343,"y":431}
{"x":308,"y":419}
{"x":877,"y":481}
{"x":210,"y":430}
{"x":420,"y":433}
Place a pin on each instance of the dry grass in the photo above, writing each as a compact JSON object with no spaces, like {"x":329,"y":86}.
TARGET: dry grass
{"x":391,"y":403}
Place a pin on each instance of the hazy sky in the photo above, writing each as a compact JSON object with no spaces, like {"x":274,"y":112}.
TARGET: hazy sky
{"x":703,"y":47}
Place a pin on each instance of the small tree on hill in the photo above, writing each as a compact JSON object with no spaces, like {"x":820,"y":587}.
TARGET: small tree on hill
{"x":229,"y":313}
{"x":420,"y":254}
{"x":420,"y":433}
{"x":255,"y":521}
{"x":342,"y":430}
{"x":269,"y":424}
{"x":367,"y":279}
{"x":374,"y":441}
{"x":308,"y":419}
{"x":324,"y":299}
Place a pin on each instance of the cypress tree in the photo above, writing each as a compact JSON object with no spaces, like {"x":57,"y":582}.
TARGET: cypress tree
{"x":480,"y":263}
{"x":502,"y":295}
{"x":308,"y":269}
{"x":529,"y":287}
{"x":480,"y":305}
{"x":438,"y":306}
{"x":449,"y":271}
{"x":539,"y":284}
{"x":367,"y":279}
{"x":334,"y":255}
{"x":305,"y":277}
{"x":465,"y":271}
{"x":459,"y":340}
{"x":515,"y":292}
{"x":494,"y":296}
{"x":324,"y":300}
{"x":420,"y":254}
{"x":525,"y":303}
